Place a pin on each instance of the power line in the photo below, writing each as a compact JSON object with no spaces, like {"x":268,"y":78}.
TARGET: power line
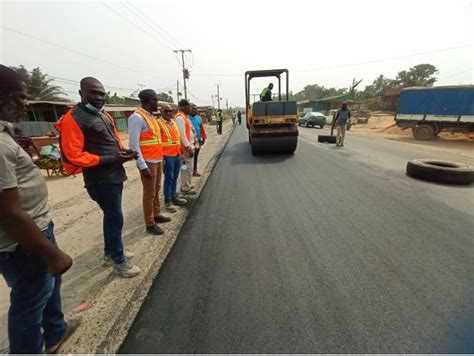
{"x":348,"y":64}
{"x":77,"y":52}
{"x":160,"y":29}
{"x":455,"y":74}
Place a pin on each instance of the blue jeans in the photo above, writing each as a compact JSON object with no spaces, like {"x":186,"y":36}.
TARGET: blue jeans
{"x":35,"y":301}
{"x":109,"y":198}
{"x":171,"y":172}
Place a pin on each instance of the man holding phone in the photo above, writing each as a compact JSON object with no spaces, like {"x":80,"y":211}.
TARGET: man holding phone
{"x":90,"y":141}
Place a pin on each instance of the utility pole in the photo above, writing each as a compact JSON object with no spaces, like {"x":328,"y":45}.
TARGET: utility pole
{"x":177,"y":91}
{"x":218,"y":97}
{"x":185,"y":70}
{"x":227,"y":104}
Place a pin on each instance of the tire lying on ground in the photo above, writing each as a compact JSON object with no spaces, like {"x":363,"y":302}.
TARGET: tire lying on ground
{"x":327,"y":138}
{"x":441,"y":171}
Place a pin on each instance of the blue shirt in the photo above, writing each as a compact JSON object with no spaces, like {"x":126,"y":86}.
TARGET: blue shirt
{"x":196,"y":121}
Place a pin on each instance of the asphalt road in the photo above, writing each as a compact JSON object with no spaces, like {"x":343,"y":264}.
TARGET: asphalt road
{"x":326,"y":251}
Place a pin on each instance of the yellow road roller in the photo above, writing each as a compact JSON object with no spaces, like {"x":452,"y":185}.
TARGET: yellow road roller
{"x":272,"y":125}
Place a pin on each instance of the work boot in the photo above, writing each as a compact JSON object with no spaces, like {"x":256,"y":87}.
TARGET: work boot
{"x":196,"y":174}
{"x":179,"y":201}
{"x":72,"y":325}
{"x":126,"y":269}
{"x":109,"y":262}
{"x":169,"y":207}
{"x":154,"y":230}
{"x":160,"y":219}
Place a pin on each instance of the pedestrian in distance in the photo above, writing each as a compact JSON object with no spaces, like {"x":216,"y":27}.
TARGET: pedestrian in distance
{"x":239,"y":117}
{"x":233,"y":118}
{"x":90,"y":143}
{"x":187,"y":135}
{"x":219,"y":119}
{"x":171,"y":141}
{"x":145,"y":139}
{"x":342,"y":117}
{"x":30,"y":261}
{"x":201,"y":136}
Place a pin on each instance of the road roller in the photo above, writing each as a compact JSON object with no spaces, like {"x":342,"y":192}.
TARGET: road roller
{"x":272,"y":125}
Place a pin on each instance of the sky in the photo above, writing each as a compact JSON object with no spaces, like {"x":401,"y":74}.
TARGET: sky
{"x":129,"y":44}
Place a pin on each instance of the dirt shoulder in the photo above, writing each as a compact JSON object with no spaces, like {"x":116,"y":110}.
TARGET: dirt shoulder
{"x":382,"y":125}
{"x":78,"y":226}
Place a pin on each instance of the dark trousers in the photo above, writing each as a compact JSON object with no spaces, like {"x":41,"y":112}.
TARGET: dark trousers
{"x":219,"y":127}
{"x":35,"y":318}
{"x":171,"y":173}
{"x":109,"y":198}
{"x":196,"y":154}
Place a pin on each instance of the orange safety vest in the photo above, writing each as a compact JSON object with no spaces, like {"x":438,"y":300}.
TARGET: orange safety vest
{"x":170,"y":138}
{"x":150,"y":141}
{"x":73,"y":156}
{"x":187,"y":123}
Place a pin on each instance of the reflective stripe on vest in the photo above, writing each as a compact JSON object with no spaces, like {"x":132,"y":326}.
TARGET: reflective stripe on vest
{"x":152,"y":126}
{"x":171,"y":145}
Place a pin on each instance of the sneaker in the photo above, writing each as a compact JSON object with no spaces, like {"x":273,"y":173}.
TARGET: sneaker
{"x":155,"y":230}
{"x":126,"y":269}
{"x":160,"y":219}
{"x":169,"y":207}
{"x":72,"y":325}
{"x":188,"y":192}
{"x":179,"y":201}
{"x":196,"y":174}
{"x":109,"y":262}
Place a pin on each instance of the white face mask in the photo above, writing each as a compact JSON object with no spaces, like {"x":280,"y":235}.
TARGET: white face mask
{"x":93,"y":108}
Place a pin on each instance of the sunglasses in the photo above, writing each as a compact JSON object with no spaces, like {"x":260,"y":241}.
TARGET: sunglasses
{"x":167,"y":110}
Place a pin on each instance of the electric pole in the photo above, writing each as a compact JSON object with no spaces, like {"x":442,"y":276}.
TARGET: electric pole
{"x":227,"y":104}
{"x":185,"y":70}
{"x":177,"y":91}
{"x":218,"y":97}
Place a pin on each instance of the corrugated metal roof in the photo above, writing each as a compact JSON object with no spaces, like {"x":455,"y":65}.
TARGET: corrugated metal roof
{"x":62,"y":103}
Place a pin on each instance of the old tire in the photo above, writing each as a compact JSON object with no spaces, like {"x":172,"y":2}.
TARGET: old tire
{"x":327,"y":138}
{"x":441,"y":171}
{"x":424,"y":132}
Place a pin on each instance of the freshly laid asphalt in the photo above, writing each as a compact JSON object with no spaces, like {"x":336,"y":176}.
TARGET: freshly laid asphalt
{"x":329,"y":250}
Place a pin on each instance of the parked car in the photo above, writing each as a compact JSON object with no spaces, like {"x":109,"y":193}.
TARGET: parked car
{"x":312,"y":119}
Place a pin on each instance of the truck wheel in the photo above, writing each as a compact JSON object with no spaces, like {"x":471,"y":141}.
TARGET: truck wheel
{"x":424,"y":132}
{"x":441,"y":171}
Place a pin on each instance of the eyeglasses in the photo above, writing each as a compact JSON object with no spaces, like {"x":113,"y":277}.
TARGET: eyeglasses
{"x":167,"y":110}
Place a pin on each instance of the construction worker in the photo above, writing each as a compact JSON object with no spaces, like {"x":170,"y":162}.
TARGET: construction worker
{"x":341,"y":119}
{"x":171,"y":141}
{"x":219,"y":121}
{"x":201,"y":136}
{"x":145,"y":139}
{"x":90,"y":143}
{"x":30,"y":261}
{"x":266,"y":94}
{"x":187,"y":135}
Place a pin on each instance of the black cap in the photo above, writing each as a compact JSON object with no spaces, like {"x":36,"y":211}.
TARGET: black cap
{"x":183,"y":102}
{"x":147,"y":94}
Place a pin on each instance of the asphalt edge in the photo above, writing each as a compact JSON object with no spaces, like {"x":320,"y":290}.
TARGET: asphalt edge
{"x":117,"y":333}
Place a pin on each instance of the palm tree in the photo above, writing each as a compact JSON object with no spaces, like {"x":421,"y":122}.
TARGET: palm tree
{"x":38,"y":85}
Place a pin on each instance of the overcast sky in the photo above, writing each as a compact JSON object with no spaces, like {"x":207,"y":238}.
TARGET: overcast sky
{"x":326,"y":42}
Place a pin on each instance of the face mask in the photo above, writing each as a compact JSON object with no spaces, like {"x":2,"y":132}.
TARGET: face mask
{"x":93,"y":108}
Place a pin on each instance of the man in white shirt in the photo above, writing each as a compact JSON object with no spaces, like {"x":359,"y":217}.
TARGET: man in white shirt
{"x":187,"y":134}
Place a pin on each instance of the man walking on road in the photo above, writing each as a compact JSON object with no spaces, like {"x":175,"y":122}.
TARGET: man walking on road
{"x":239,"y":117}
{"x":342,"y":116}
{"x":171,"y":142}
{"x":186,"y":133}
{"x":196,"y":120}
{"x":219,"y":121}
{"x":90,"y":142}
{"x":30,"y":261}
{"x":145,"y":139}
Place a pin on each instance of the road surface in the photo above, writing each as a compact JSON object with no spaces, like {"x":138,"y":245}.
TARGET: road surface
{"x":331,"y":250}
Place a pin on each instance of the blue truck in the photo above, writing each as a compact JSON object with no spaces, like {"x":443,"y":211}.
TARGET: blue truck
{"x":430,"y":110}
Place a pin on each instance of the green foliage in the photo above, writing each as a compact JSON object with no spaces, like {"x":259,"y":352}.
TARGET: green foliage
{"x":419,"y":75}
{"x":38,"y":85}
{"x":165,"y":97}
{"x":315,"y":91}
{"x":114,"y":99}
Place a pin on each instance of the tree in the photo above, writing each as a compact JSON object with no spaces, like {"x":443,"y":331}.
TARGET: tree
{"x":315,"y":91}
{"x":419,"y":75}
{"x":38,"y":84}
{"x":165,"y":97}
{"x":352,"y":88}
